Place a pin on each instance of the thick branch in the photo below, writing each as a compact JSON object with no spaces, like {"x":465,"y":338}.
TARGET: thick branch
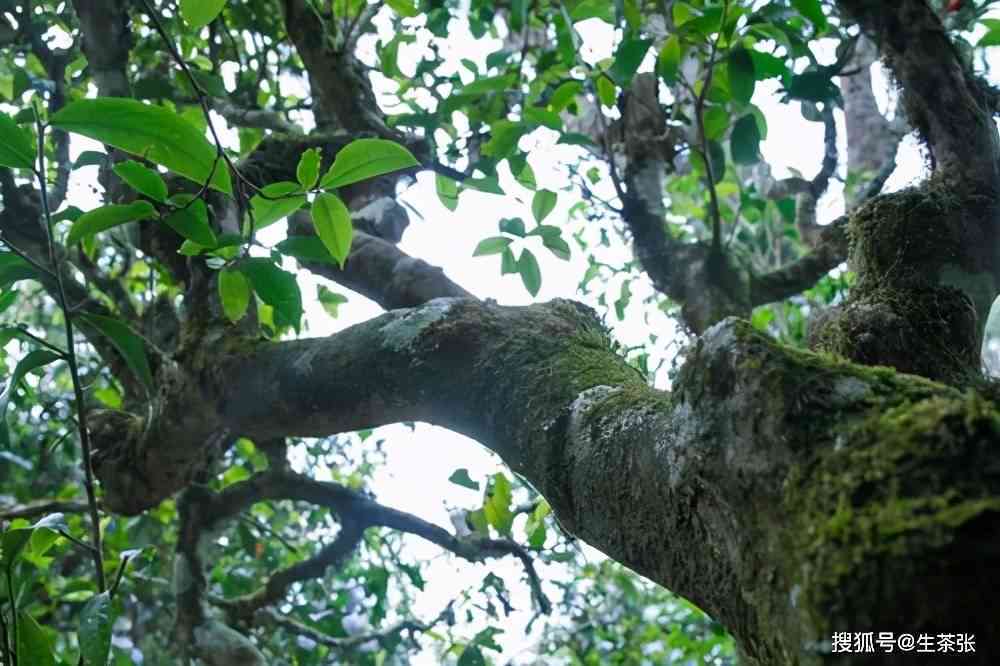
{"x":703,"y":490}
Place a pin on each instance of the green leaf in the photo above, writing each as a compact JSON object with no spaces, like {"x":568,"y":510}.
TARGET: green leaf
{"x":447,"y":191}
{"x":108,"y":217}
{"x":17,"y":149}
{"x":90,"y":158}
{"x":541,"y":116}
{"x":14,"y":269}
{"x":234,"y":293}
{"x":13,"y":542}
{"x":210,"y":84}
{"x":741,"y":75}
{"x":812,"y":10}
{"x":491,"y":245}
{"x":512,"y":225}
{"x":744,"y":144}
{"x":542,"y":204}
{"x":628,"y":57}
{"x":606,"y":91}
{"x":497,"y":504}
{"x":142,"y":179}
{"x":129,"y":345}
{"x":308,"y":169}
{"x":488,"y":84}
{"x":305,"y":249}
{"x":277,"y":288}
{"x":716,"y":120}
{"x":460,"y":477}
{"x":95,"y":630}
{"x":508,"y":265}
{"x":367,"y":158}
{"x":333,"y":225}
{"x":330,"y":300}
{"x":504,"y":135}
{"x":32,"y":360}
{"x":565,"y":95}
{"x":531,"y":274}
{"x":490,"y":185}
{"x":275,"y":202}
{"x":191,"y":222}
{"x":557,"y":246}
{"x":472,"y":656}
{"x":668,"y":63}
{"x":991,"y":38}
{"x":152,"y":132}
{"x":404,"y":8}
{"x":33,"y":644}
{"x":588,"y":9}
{"x":199,"y":13}
{"x":46,"y":531}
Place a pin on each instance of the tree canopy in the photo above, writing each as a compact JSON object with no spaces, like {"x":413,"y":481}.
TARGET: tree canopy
{"x":799,"y":441}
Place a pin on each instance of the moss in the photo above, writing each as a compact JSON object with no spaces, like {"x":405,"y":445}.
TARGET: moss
{"x":879,"y":511}
{"x":917,"y":302}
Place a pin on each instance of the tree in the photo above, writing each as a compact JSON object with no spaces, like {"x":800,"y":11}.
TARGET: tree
{"x":823,"y":464}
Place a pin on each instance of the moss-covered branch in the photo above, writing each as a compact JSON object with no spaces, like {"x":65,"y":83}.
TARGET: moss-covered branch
{"x":762,"y":487}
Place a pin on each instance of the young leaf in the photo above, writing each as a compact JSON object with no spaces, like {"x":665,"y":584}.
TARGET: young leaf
{"x":542,"y":204}
{"x":333,"y":225}
{"x":191,"y":222}
{"x":492,"y":245}
{"x":142,"y":179}
{"x":95,"y":630}
{"x":307,"y":171}
{"x":366,"y":158}
{"x":275,"y":202}
{"x":234,"y":292}
{"x":152,"y":132}
{"x":531,"y":274}
{"x":17,"y":149}
{"x":199,"y":13}
{"x":129,"y":345}
{"x":276,"y":288}
{"x":107,"y":217}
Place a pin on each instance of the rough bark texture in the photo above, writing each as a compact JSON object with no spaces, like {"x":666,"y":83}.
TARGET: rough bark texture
{"x":784,"y":492}
{"x":790,"y":494}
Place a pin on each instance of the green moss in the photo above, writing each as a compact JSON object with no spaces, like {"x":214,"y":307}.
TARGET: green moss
{"x":890,"y":495}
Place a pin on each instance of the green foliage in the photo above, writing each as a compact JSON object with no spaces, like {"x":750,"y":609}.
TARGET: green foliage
{"x":333,"y":225}
{"x":17,"y":150}
{"x":151,"y":132}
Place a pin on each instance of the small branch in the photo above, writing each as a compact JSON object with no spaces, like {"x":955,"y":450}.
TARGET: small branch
{"x":71,"y":361}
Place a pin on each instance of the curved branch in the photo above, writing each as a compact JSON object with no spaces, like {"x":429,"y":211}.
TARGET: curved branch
{"x":943,"y":101}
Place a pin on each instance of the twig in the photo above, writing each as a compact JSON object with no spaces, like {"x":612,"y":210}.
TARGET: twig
{"x":71,"y":361}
